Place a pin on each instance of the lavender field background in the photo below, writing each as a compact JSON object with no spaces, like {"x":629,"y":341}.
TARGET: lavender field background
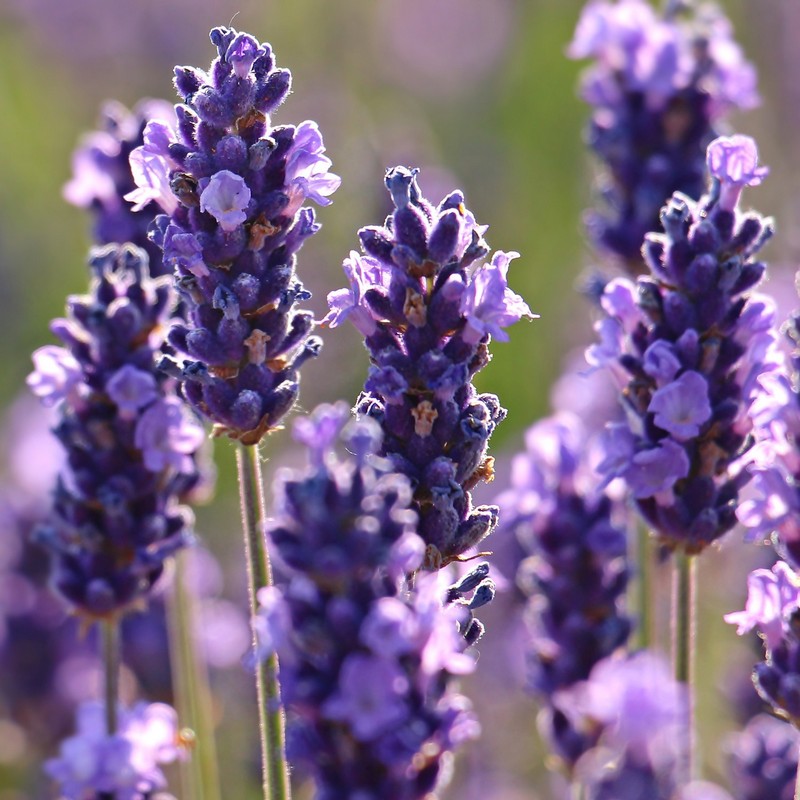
{"x":478,"y":94}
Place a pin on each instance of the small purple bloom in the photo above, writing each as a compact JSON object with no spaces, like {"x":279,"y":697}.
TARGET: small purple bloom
{"x":371,"y":696}
{"x":131,"y":389}
{"x":55,"y":376}
{"x":772,"y":595}
{"x":226,"y":198}
{"x":320,"y":431}
{"x":363,"y":273}
{"x":167,"y":436}
{"x":682,"y":407}
{"x":125,"y":765}
{"x":242,"y":52}
{"x":488,"y":303}
{"x":655,"y":471}
{"x":307,"y":175}
{"x":661,"y":363}
{"x":733,"y":161}
{"x":150,"y":167}
{"x":637,"y":700}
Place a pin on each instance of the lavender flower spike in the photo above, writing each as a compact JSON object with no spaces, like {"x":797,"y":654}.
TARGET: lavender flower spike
{"x":366,"y":667}
{"x":233,"y":189}
{"x":574,"y":571}
{"x":427,"y":315}
{"x":691,"y":346}
{"x":658,"y":86}
{"x":124,"y":766}
{"x":130,"y":444}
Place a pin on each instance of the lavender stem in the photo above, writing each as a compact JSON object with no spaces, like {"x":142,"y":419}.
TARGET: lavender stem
{"x":110,"y":628}
{"x":192,"y":689}
{"x":644,"y":584}
{"x":684,"y":623}
{"x":259,"y":575}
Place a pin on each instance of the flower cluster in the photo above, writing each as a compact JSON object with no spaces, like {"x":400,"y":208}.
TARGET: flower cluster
{"x":125,"y":765}
{"x":102,"y":177}
{"x":657,"y":87}
{"x":427,"y":315}
{"x":772,"y":509}
{"x":636,"y":711}
{"x":773,"y":605}
{"x":688,"y":343}
{"x":763,"y":759}
{"x":130,"y":445}
{"x":574,"y":573}
{"x":233,"y":187}
{"x":365,"y":666}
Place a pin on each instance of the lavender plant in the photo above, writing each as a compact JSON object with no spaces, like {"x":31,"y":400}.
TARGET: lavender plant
{"x":659,"y":88}
{"x":129,"y":443}
{"x":688,"y":344}
{"x":366,"y":667}
{"x":574,"y":573}
{"x":427,"y":315}
{"x":233,"y":187}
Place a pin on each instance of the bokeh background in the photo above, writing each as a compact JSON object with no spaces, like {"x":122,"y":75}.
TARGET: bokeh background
{"x":477,"y":93}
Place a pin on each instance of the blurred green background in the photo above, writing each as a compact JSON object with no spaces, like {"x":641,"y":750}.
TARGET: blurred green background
{"x":477,"y":93}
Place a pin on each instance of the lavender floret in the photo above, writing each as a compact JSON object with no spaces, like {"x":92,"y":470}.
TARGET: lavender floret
{"x":690,"y":345}
{"x":427,"y":315}
{"x":102,"y":177}
{"x":658,"y":89}
{"x":773,"y":607}
{"x":366,"y":666}
{"x":130,"y":445}
{"x":233,"y":187}
{"x":575,"y":572}
{"x":125,"y":766}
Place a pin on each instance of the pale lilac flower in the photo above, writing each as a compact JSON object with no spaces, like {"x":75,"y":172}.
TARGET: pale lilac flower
{"x":488,"y":303}
{"x":126,"y":765}
{"x":682,"y":407}
{"x":242,"y":52}
{"x":55,"y":376}
{"x":131,"y":389}
{"x":363,"y":273}
{"x":771,"y":596}
{"x":167,"y":436}
{"x":150,"y":167}
{"x":307,"y":175}
{"x":226,"y":198}
{"x":733,"y":161}
{"x":371,"y":695}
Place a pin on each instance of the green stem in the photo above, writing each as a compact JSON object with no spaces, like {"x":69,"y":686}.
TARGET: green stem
{"x":259,"y":574}
{"x":110,"y":635}
{"x":684,"y":621}
{"x":644,"y":585}
{"x":193,"y":692}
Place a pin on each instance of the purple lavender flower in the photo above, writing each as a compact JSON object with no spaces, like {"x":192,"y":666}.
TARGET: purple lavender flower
{"x":763,"y":759}
{"x":574,"y":572}
{"x":233,"y":187}
{"x":102,"y":177}
{"x":772,"y":509}
{"x":365,"y":666}
{"x":773,"y":606}
{"x":690,"y":344}
{"x":658,"y":88}
{"x":637,"y":711}
{"x":126,"y":765}
{"x":129,"y":445}
{"x":427,"y":316}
